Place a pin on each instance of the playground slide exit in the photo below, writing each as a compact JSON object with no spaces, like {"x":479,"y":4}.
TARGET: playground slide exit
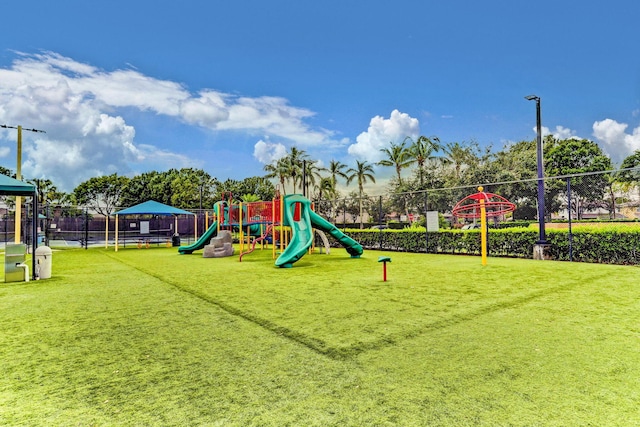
{"x":353,"y":248}
{"x":302,"y":232}
{"x":204,"y":240}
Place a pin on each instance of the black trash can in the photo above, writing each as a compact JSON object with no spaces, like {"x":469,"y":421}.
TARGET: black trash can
{"x":175,"y":239}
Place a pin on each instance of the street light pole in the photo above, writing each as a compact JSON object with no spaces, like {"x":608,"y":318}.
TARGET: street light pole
{"x":542,"y":239}
{"x":18,"y":216}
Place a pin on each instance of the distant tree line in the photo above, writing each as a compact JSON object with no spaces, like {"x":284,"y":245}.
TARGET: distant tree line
{"x":421,"y":164}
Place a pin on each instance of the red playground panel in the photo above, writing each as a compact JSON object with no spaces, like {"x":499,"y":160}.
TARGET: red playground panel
{"x":263,"y":212}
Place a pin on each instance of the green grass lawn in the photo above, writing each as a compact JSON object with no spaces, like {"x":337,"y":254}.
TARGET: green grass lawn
{"x":150,"y":337}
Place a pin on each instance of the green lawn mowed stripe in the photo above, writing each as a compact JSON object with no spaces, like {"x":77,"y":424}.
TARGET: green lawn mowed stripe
{"x":515,"y":343}
{"x":566,"y":358}
{"x":340,"y":306}
{"x":121,"y":342}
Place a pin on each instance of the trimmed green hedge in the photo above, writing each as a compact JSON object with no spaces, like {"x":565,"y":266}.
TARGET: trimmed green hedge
{"x":613,"y":246}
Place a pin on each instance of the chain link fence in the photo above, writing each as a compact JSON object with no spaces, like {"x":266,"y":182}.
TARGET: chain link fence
{"x":79,"y":227}
{"x":580,"y":197}
{"x":590,"y":200}
{"x":575,"y":207}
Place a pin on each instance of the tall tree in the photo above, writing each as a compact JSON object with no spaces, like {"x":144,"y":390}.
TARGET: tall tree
{"x":186,"y":188}
{"x":631,"y":176}
{"x":102,"y":193}
{"x":278,"y":169}
{"x":257,"y":186}
{"x":337,"y":170}
{"x":294,"y":160}
{"x":576,"y":156}
{"x":362,"y":173}
{"x":141,"y":188}
{"x":572,"y":156}
{"x":192,"y":188}
{"x":459,"y":156}
{"x":325,"y":188}
{"x":312,"y":173}
{"x":399,"y":157}
{"x":47,"y":192}
{"x":515,"y":165}
{"x":422,"y":150}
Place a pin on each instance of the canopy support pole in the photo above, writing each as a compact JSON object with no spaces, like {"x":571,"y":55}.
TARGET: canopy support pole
{"x":116,"y":232}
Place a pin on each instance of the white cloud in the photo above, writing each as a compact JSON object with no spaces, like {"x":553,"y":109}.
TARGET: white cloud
{"x":156,"y":159}
{"x":274,"y":116}
{"x":381,"y":132}
{"x":83,"y":110}
{"x":267,"y":152}
{"x":560,"y":132}
{"x":208,"y":110}
{"x":617,"y":142}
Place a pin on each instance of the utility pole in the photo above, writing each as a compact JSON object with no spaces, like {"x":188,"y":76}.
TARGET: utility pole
{"x":18,"y":216}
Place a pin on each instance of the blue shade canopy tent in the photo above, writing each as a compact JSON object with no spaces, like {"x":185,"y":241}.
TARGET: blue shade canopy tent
{"x":13,"y":187}
{"x":151,"y":207}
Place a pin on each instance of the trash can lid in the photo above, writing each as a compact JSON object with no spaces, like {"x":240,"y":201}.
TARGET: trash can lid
{"x":43,"y":250}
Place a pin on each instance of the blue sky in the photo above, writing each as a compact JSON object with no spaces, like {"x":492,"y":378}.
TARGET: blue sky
{"x":133,"y":86}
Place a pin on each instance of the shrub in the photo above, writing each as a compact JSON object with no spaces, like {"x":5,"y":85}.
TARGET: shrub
{"x":585,"y":244}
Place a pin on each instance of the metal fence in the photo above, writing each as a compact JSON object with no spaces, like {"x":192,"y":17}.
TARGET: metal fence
{"x":72,"y":226}
{"x":578,"y":198}
{"x":593,"y":198}
{"x":582,"y":202}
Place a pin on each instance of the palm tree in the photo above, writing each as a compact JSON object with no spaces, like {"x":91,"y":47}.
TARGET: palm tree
{"x":336,"y":170}
{"x":459,"y":155}
{"x":398,"y":156}
{"x":422,"y":150}
{"x":312,"y":173}
{"x":325,"y":188}
{"x":278,"y":169}
{"x":47,"y":192}
{"x":294,"y":162}
{"x":363,"y":172}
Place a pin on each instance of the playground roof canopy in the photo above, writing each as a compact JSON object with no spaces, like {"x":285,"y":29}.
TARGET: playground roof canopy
{"x":151,"y":207}
{"x":14,"y":187}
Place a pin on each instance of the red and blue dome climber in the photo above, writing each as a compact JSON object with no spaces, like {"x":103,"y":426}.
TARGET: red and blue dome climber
{"x":482,"y":205}
{"x":494,"y":205}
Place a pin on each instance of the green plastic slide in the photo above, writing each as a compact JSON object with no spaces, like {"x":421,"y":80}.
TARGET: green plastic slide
{"x":204,"y":240}
{"x":353,"y":248}
{"x":302,"y":231}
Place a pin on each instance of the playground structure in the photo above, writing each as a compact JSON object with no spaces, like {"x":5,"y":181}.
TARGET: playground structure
{"x":288,"y":223}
